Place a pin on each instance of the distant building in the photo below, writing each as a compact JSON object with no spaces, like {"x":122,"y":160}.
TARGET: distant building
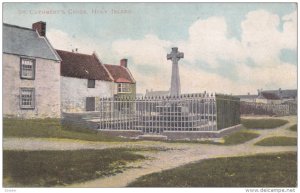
{"x":31,"y":77}
{"x":152,"y":93}
{"x":247,"y":98}
{"x":271,"y":96}
{"x":268,"y":98}
{"x":284,"y":95}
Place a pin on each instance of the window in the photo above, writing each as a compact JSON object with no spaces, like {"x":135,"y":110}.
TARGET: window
{"x":27,"y":68}
{"x":124,"y":87}
{"x":91,"y":83}
{"x":27,"y":98}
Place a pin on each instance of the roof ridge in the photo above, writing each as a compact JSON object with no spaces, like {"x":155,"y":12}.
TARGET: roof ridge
{"x":103,"y":65}
{"x":16,"y":26}
{"x":128,"y":71}
{"x":111,"y":64}
{"x":73,"y":52}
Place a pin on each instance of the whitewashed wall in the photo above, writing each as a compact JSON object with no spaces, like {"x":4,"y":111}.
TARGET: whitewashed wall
{"x":46,"y":84}
{"x":74,"y":92}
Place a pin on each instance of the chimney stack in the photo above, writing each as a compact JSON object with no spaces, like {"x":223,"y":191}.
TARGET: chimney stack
{"x":123,"y":62}
{"x":40,"y":27}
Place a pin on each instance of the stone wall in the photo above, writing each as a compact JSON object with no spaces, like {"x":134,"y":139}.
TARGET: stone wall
{"x":81,"y":120}
{"x":46,"y":85}
{"x":74,"y":92}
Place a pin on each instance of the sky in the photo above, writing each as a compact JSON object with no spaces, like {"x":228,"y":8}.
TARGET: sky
{"x":231,"y":48}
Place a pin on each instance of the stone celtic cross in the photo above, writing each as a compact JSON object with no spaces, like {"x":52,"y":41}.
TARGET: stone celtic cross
{"x":175,"y":79}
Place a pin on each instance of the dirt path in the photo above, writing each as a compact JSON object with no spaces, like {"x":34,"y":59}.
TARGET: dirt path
{"x":178,"y":155}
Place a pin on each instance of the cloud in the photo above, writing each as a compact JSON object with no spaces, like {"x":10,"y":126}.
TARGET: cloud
{"x":147,"y":53}
{"x":208,"y":41}
{"x":289,"y":37}
{"x":63,"y":41}
{"x":261,"y":42}
{"x":263,"y":36}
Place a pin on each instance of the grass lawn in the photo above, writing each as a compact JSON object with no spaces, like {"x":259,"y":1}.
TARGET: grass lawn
{"x":51,"y":128}
{"x":50,"y":168}
{"x":266,"y":170}
{"x":278,"y":141}
{"x":238,"y":137}
{"x":263,"y":123}
{"x":293,"y":127}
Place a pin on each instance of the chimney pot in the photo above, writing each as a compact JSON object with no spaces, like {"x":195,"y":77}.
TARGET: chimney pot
{"x":40,"y":27}
{"x":123,"y":62}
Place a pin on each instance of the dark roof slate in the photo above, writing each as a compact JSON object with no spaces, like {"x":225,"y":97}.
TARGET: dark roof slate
{"x":26,"y":42}
{"x":269,"y":96}
{"x":82,"y":66}
{"x":283,"y":93}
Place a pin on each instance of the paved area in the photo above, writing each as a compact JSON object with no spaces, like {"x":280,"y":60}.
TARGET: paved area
{"x":178,"y":154}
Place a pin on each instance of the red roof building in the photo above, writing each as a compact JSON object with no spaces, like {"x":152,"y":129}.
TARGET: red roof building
{"x":120,"y":74}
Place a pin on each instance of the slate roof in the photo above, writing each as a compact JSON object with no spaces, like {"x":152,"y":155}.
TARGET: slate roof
{"x":82,"y":66}
{"x":26,"y":42}
{"x":120,"y":74}
{"x":283,"y":93}
{"x":269,"y":96}
{"x":246,"y":96}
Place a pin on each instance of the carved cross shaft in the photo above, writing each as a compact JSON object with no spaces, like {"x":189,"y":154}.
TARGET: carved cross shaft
{"x":175,"y":79}
{"x":175,"y":55}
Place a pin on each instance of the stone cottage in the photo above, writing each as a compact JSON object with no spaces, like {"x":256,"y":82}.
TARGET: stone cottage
{"x":84,"y":79}
{"x":39,"y":81}
{"x":268,"y":98}
{"x":31,"y":73}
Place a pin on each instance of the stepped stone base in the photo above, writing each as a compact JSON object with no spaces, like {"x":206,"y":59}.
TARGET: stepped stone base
{"x":173,"y":135}
{"x":194,"y":135}
{"x":153,"y":137}
{"x":122,"y":133}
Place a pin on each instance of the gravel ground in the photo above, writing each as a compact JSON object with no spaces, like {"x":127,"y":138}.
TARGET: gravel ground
{"x":178,"y":154}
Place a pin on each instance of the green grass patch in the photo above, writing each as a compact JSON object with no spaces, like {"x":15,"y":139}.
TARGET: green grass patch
{"x":51,"y":128}
{"x":238,"y":137}
{"x":266,"y":170}
{"x":263,"y":123}
{"x":278,"y":141}
{"x":293,"y":127}
{"x":50,"y":168}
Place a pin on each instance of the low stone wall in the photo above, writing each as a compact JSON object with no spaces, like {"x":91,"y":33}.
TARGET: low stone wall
{"x":80,"y":120}
{"x":122,"y":133}
{"x":89,"y":121}
{"x":194,"y":135}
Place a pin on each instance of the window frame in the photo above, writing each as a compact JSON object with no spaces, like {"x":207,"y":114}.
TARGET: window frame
{"x":124,"y":88}
{"x":32,"y":105}
{"x":93,"y":83}
{"x":33,"y":68}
